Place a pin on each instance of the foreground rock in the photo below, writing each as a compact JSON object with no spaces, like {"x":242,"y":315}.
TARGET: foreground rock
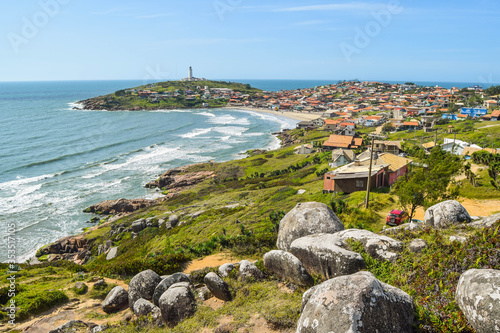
{"x":226,"y":269}
{"x":288,"y":267}
{"x":248,"y":270}
{"x":378,"y":246}
{"x":116,"y":300}
{"x":121,"y":206}
{"x":446,"y":214}
{"x":305,"y":219}
{"x":478,"y":296}
{"x":176,"y":304}
{"x":142,"y":285}
{"x":166,"y":283}
{"x":356,"y":303}
{"x":73,"y":326}
{"x":143,"y":307}
{"x":325,"y":254}
{"x":487,"y":222}
{"x":218,"y":287}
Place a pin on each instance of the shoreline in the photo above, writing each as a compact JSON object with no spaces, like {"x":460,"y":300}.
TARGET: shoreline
{"x":299,"y":116}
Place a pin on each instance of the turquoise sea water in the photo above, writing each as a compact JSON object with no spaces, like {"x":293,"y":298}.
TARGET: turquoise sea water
{"x":56,"y":161}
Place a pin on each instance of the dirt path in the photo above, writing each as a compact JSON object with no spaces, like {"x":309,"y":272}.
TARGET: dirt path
{"x":474,"y":207}
{"x":210,"y":261}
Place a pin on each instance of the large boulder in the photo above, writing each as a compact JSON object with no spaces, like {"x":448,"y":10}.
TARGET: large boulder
{"x":166,"y":283}
{"x":121,"y":206}
{"x":176,"y":304}
{"x":305,"y":219}
{"x":142,"y":285}
{"x":116,"y":300}
{"x":249,"y":270}
{"x":378,"y":246}
{"x":287,"y":266}
{"x":356,"y":303}
{"x":446,"y":214}
{"x":478,"y":296}
{"x":326,"y":254}
{"x":218,"y":287}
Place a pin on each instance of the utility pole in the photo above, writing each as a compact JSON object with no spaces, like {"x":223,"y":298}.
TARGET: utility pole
{"x":369,"y":176}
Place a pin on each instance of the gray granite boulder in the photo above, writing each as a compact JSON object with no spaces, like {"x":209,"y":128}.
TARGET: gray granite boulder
{"x":417,"y":245}
{"x":173,"y":220}
{"x":487,"y":222}
{"x":248,"y":270}
{"x":113,"y":252}
{"x":73,"y":326}
{"x":226,"y":269}
{"x":176,"y":304}
{"x":143,"y":307}
{"x":446,"y":214}
{"x":305,"y":219}
{"x":356,"y":303}
{"x":138,"y":225}
{"x":116,"y":300}
{"x":218,"y":287}
{"x":378,"y":246}
{"x":142,"y":285}
{"x":478,"y":296}
{"x":166,"y":283}
{"x":287,"y":266}
{"x":326,"y":254}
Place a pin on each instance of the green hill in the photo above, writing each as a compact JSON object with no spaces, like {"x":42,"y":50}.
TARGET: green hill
{"x":170,"y":95}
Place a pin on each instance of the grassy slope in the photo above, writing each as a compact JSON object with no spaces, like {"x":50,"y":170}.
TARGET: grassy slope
{"x":248,"y":231}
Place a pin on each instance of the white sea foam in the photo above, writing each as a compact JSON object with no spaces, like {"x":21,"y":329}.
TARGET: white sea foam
{"x":231,"y":130}
{"x":75,"y":105}
{"x":207,"y":114}
{"x":14,"y":184}
{"x":196,"y":132}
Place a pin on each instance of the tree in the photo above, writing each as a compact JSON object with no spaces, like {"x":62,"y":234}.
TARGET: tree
{"x":388,"y":127}
{"x":428,"y":182}
{"x":492,"y":91}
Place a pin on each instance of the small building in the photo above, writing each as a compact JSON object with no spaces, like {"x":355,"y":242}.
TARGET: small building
{"x":342,"y":141}
{"x":495,"y":115}
{"x":353,"y":178}
{"x":304,"y":149}
{"x":342,"y":157}
{"x":318,"y":122}
{"x":393,"y":147}
{"x":306,"y":124}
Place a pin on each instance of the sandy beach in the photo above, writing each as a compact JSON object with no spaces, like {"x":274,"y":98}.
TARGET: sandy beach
{"x":299,"y":116}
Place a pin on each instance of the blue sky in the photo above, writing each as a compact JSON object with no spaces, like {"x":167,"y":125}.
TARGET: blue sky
{"x":242,"y":39}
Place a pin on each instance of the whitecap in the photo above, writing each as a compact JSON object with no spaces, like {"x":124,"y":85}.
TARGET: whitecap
{"x":196,"y":132}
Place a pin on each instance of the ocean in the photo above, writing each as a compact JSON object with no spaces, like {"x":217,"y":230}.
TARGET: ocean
{"x":56,"y":161}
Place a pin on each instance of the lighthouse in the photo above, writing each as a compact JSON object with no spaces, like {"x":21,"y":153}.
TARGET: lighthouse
{"x":190,"y":76}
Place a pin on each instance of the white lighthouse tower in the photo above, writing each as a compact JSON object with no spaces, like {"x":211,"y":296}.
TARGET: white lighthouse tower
{"x":190,"y":76}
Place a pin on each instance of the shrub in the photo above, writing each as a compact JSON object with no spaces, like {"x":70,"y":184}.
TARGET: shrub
{"x":33,"y":302}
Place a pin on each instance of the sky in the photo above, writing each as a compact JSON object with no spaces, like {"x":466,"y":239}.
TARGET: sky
{"x":414,"y":40}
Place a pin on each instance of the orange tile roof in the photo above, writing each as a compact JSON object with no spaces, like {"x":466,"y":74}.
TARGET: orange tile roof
{"x":495,"y":113}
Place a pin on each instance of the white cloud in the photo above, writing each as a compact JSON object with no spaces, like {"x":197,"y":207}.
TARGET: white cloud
{"x":143,"y":17}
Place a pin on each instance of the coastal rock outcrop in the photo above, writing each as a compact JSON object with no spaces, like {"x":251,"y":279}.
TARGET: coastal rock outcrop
{"x":305,"y":219}
{"x":445,"y":214}
{"x":218,"y":287}
{"x":378,"y":246}
{"x":121,"y":206}
{"x":176,"y":180}
{"x":166,"y":283}
{"x":288,"y":267}
{"x":356,"y":303}
{"x":116,"y":300}
{"x":142,"y":285}
{"x":478,"y":296}
{"x":176,"y":304}
{"x":325,"y":254}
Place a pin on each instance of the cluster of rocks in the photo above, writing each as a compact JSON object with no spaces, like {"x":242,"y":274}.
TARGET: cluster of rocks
{"x":74,"y":248}
{"x":167,"y":300}
{"x":78,"y":326}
